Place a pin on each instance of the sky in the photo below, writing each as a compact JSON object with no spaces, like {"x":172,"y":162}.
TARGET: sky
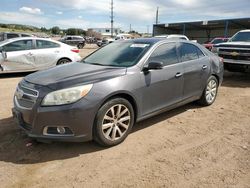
{"x":96,"y":13}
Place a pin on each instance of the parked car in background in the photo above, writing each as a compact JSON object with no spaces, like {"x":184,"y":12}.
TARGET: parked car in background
{"x":74,"y":41}
{"x":10,"y":35}
{"x":236,"y":52}
{"x":103,"y":96}
{"x":124,"y":37}
{"x":216,"y":40}
{"x":105,"y":41}
{"x":32,"y":54}
{"x":174,"y":36}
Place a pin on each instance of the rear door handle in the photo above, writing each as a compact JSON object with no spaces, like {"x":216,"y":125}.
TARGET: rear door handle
{"x":204,"y":67}
{"x":178,"y":75}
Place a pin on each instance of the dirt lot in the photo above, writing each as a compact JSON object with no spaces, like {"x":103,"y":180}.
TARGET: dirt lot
{"x":186,"y":147}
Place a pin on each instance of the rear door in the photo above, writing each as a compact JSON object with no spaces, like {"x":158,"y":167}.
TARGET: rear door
{"x":196,"y":69}
{"x":162,"y":87}
{"x":19,"y":56}
{"x":46,"y":53}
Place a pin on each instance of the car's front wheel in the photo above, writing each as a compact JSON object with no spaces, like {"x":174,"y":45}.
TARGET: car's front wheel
{"x":210,"y":93}
{"x":113,"y":122}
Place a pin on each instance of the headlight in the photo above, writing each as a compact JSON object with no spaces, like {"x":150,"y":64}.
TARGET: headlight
{"x":66,"y":96}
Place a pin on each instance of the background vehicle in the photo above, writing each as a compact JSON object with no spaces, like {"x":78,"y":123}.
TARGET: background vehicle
{"x":101,"y":97}
{"x":10,"y":35}
{"x":124,"y":37}
{"x":216,"y":40}
{"x":236,"y":52}
{"x":74,"y":41}
{"x":104,"y":42}
{"x":31,"y":54}
{"x":182,"y":37}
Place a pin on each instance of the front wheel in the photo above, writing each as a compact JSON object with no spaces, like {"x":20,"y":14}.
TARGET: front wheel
{"x":113,"y":122}
{"x":210,"y":92}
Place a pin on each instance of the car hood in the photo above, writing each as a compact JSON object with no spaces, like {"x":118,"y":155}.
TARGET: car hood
{"x":234,"y":44}
{"x":72,"y":74}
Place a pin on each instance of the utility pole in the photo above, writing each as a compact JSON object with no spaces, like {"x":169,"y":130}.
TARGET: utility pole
{"x":157,"y":16}
{"x":130,"y":28}
{"x":148,"y":29}
{"x":112,"y":18}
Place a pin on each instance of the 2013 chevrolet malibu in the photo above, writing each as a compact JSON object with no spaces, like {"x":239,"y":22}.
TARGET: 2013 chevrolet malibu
{"x":103,"y":96}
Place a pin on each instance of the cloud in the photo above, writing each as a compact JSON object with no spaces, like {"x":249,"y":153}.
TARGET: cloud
{"x":29,"y":10}
{"x":59,"y":12}
{"x":23,"y":18}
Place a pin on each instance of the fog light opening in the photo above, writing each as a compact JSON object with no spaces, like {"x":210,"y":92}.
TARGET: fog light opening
{"x":61,"y":130}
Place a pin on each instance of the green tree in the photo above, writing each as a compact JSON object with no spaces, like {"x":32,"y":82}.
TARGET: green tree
{"x":55,"y":30}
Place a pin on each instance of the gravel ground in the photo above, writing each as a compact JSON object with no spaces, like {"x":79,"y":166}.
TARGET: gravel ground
{"x":186,"y":147}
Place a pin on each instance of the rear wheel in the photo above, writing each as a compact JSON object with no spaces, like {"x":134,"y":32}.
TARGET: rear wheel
{"x":209,"y":94}
{"x":80,"y":46}
{"x":63,"y":61}
{"x":113,"y":123}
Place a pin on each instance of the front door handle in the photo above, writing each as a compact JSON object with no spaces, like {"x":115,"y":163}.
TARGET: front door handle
{"x":204,"y":67}
{"x":178,"y":75}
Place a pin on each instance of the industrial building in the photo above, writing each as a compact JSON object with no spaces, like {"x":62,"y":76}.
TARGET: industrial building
{"x":203,"y":31}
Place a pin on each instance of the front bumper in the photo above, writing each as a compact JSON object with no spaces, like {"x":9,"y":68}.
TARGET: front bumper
{"x":78,"y":117}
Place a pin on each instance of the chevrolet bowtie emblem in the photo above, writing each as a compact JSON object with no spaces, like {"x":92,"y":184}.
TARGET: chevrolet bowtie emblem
{"x":235,"y":54}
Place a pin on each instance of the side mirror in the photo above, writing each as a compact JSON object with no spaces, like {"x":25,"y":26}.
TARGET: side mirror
{"x":153,"y":66}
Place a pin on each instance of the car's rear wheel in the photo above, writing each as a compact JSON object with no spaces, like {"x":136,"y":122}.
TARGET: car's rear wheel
{"x":63,"y":61}
{"x":80,"y":46}
{"x":210,"y":93}
{"x":113,"y":122}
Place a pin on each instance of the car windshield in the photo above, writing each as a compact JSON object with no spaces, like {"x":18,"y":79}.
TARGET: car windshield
{"x":118,"y":54}
{"x":241,"y":37}
{"x":217,"y":41}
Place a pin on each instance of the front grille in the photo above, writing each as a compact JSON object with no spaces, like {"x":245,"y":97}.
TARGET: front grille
{"x":235,"y":54}
{"x":25,"y":97}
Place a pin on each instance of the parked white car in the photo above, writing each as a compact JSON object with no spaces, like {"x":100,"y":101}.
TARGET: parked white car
{"x":175,"y":36}
{"x":32,"y":54}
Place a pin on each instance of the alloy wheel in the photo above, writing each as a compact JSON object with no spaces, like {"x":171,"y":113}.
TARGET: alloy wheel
{"x":211,"y":91}
{"x":116,"y":122}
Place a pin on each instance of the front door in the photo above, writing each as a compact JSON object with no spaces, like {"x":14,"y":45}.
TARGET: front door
{"x":19,"y":56}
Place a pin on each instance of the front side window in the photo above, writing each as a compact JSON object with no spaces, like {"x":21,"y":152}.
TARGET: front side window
{"x":41,"y":44}
{"x":166,"y":54}
{"x":18,"y":46}
{"x":188,"y":52}
{"x":118,"y":54}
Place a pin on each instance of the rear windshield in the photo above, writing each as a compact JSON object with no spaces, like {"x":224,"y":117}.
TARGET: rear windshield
{"x":118,"y":54}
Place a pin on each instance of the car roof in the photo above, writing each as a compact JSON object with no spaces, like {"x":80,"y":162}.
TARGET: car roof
{"x":26,"y":38}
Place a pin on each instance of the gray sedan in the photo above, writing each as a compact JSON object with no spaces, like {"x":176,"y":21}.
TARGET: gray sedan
{"x":32,"y":54}
{"x":103,"y":96}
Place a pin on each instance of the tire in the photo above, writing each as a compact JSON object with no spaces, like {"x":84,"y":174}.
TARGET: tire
{"x":63,"y":61}
{"x":111,"y":127}
{"x":210,"y":92}
{"x":80,"y":46}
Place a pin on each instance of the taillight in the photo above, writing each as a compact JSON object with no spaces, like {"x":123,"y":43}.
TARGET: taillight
{"x":75,"y":50}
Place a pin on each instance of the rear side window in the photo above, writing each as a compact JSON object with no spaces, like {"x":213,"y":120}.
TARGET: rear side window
{"x":18,"y":46}
{"x":41,"y":44}
{"x":1,"y":37}
{"x":166,"y":54}
{"x":25,"y":35}
{"x":12,"y":35}
{"x":189,"y":52}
